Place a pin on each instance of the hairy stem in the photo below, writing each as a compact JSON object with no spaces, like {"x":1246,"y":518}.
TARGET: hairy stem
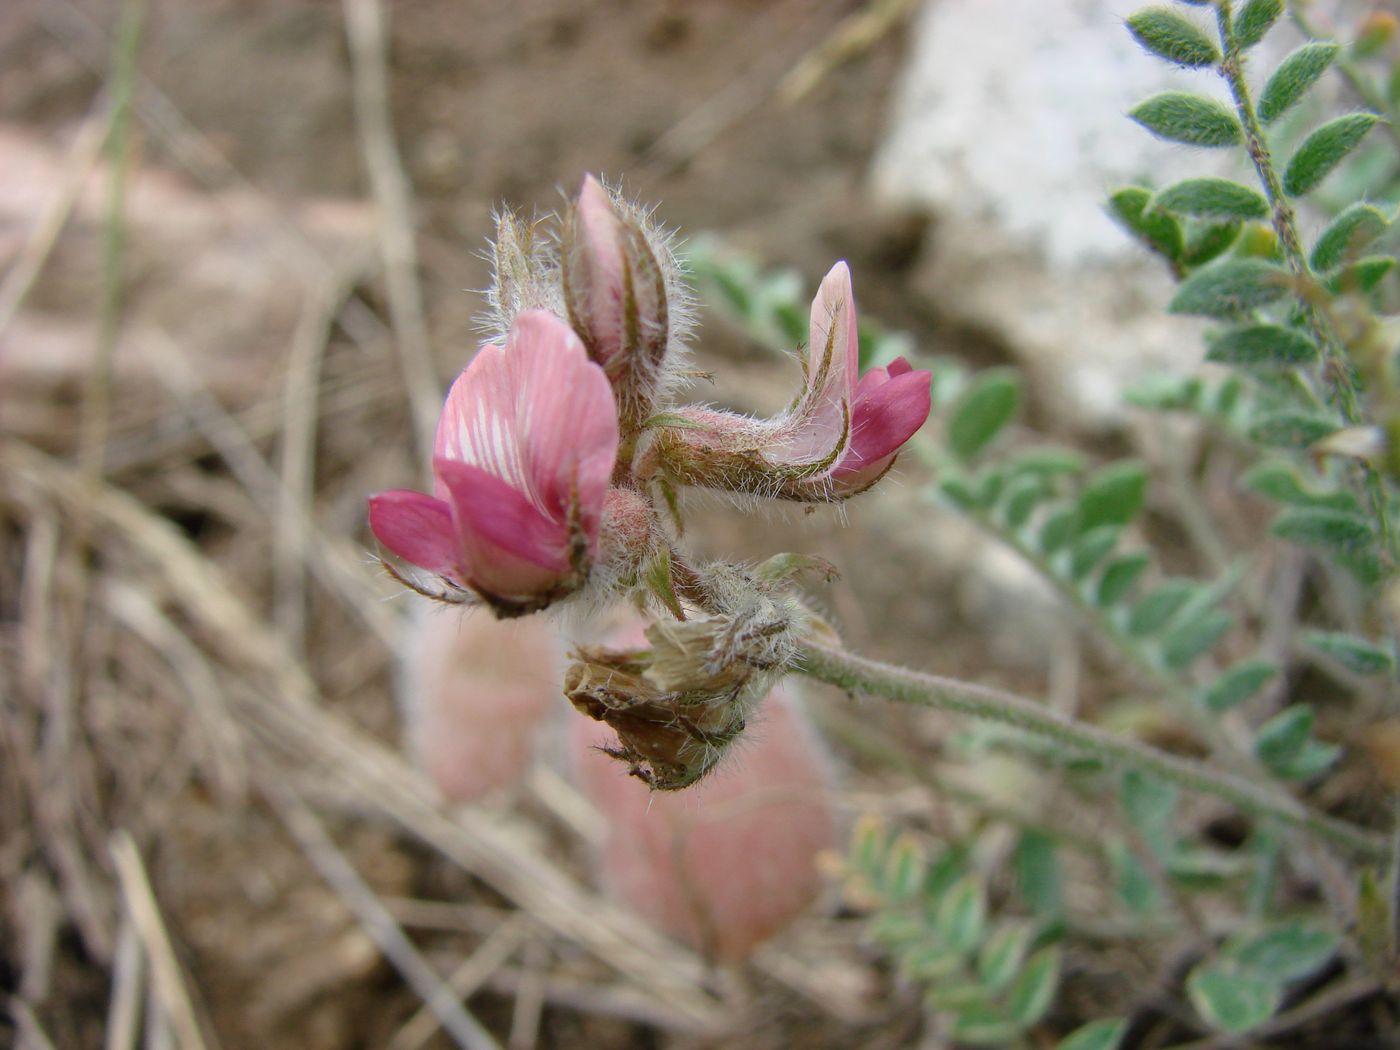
{"x":857,"y":674}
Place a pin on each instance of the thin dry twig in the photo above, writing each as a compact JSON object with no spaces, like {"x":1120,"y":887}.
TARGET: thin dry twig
{"x":300,"y":405}
{"x":167,"y":981}
{"x":365,"y":30}
{"x":29,"y":262}
{"x":374,"y":918}
{"x":529,"y":997}
{"x":493,"y":953}
{"x":124,"y":1007}
{"x":330,"y":559}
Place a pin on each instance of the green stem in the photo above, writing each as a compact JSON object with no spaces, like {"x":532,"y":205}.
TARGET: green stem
{"x":857,"y":674}
{"x":1337,"y":363}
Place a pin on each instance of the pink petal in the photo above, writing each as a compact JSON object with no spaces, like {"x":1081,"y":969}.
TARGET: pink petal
{"x":819,"y":417}
{"x":511,"y":548}
{"x":418,"y":529}
{"x":567,"y":420}
{"x":882,"y":421}
{"x":539,"y":416}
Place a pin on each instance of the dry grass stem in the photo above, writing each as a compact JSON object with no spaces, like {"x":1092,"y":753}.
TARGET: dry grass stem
{"x":373,"y":916}
{"x":490,"y":955}
{"x":364,"y":27}
{"x":124,"y":1007}
{"x":167,"y":981}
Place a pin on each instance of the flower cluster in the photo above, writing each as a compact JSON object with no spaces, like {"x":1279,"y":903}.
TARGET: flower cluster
{"x":563,"y":436}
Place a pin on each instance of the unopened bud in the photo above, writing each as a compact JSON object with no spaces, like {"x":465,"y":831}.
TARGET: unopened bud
{"x":615,"y":291}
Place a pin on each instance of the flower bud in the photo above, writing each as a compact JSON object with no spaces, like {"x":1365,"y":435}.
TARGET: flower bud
{"x":731,"y":862}
{"x":616,"y":295}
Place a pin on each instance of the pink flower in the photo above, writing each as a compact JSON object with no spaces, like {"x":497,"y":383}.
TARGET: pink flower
{"x":837,"y":439}
{"x":884,"y":408}
{"x":524,"y":454}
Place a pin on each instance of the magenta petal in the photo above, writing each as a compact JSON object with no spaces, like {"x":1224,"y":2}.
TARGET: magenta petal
{"x":494,"y":519}
{"x":418,"y":528}
{"x":899,"y":367}
{"x":885,"y":419}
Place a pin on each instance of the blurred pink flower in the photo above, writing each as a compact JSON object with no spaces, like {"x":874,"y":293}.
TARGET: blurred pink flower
{"x":525,"y":451}
{"x":728,"y":863}
{"x":474,"y":692}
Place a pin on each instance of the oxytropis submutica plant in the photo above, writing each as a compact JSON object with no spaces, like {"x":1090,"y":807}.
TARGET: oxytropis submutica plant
{"x":560,"y":452}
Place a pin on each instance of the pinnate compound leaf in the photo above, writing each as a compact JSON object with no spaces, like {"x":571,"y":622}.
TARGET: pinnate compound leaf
{"x":1285,"y":745}
{"x":1149,"y":804}
{"x":1289,"y":951}
{"x":1254,"y":20}
{"x":1353,"y":653}
{"x":1118,"y":578}
{"x":1295,"y":74}
{"x":1195,"y":120}
{"x":1090,"y":549}
{"x":1172,"y":36}
{"x":1362,"y":276}
{"x":1346,"y":236}
{"x":1291,"y":429}
{"x":1194,"y":637}
{"x":1002,"y":955}
{"x":1231,"y":1000}
{"x":1208,"y":241}
{"x":983,"y":1027}
{"x":1036,"y":863}
{"x":1113,"y":496}
{"x":1323,"y":150}
{"x":1160,"y":606}
{"x":1238,"y":683}
{"x":962,"y":915}
{"x":1034,"y":990}
{"x":904,"y":869}
{"x":983,"y":411}
{"x":1212,"y":198}
{"x":1262,"y":346}
{"x":1048,"y":462}
{"x":1096,"y":1035}
{"x":1159,"y":231}
{"x":1058,"y":529}
{"x":1229,"y":287}
{"x":1023,"y":494}
{"x":1325,"y":529}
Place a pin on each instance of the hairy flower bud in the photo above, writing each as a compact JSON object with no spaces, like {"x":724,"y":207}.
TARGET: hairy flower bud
{"x":617,"y":296}
{"x":731,"y":862}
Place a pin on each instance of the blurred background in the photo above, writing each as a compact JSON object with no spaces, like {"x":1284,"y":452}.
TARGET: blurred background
{"x":241,"y":243}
